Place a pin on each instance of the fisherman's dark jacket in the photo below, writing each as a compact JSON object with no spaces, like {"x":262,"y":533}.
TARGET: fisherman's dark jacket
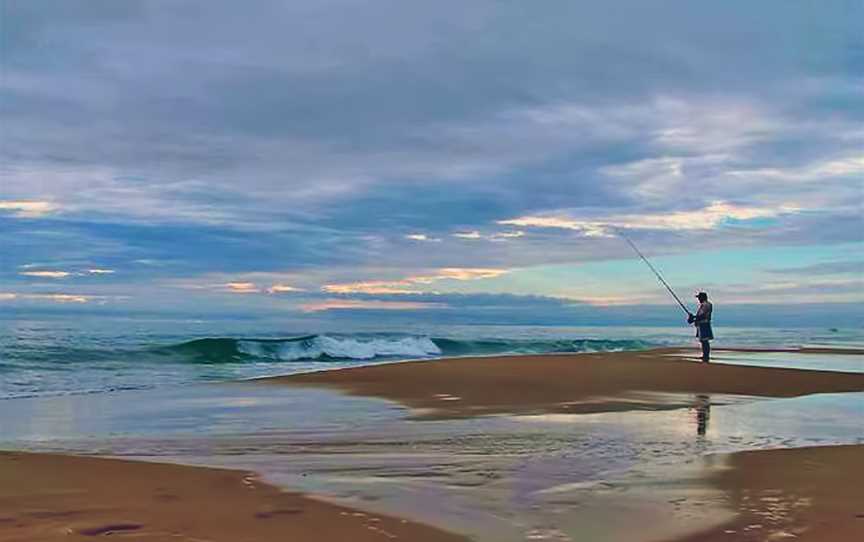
{"x":703,"y":321}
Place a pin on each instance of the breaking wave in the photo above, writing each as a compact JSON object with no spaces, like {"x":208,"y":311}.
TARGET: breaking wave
{"x":365,"y":347}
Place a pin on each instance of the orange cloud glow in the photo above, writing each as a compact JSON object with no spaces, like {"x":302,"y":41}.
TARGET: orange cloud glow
{"x":242,"y":287}
{"x":408,"y":284}
{"x":329,"y":304}
{"x":283,"y":289}
{"x":28,"y":209}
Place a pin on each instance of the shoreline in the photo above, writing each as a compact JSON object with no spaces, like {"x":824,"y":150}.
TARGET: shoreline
{"x":798,"y":350}
{"x":56,"y":497}
{"x":808,"y":494}
{"x":565,"y":383}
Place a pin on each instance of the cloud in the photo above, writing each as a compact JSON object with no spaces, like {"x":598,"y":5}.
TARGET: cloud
{"x":809,"y":290}
{"x":206,"y":145}
{"x":421,"y":237}
{"x":28,"y":209}
{"x":657,"y":177}
{"x":242,"y":287}
{"x":409,"y":285}
{"x":62,"y":298}
{"x":53,"y":297}
{"x":666,"y":121}
{"x":246,"y":283}
{"x":814,"y":172}
{"x":181,"y":163}
{"x":283,"y":289}
{"x":711,"y":217}
{"x":507,"y":235}
{"x":499,"y":236}
{"x":46,"y":274}
{"x":373,"y":287}
{"x":463,"y":273}
{"x":367,"y":304}
{"x":483,"y":301}
{"x":825,"y":268}
{"x":56,"y":274}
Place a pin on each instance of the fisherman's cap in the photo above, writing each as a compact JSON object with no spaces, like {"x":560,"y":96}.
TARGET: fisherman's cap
{"x":702,"y":294}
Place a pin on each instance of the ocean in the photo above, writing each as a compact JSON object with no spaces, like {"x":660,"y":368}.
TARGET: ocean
{"x":60,"y":356}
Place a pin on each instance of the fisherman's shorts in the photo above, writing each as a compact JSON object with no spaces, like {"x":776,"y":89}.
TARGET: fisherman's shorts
{"x":704,"y":332}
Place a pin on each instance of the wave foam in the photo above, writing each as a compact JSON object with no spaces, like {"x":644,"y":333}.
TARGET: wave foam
{"x":325,"y":346}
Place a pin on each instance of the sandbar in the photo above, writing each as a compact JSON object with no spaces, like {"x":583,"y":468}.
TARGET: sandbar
{"x":577,"y":383}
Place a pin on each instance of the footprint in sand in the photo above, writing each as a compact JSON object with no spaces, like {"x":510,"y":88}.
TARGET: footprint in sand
{"x":108,"y":529}
{"x":279,"y":512}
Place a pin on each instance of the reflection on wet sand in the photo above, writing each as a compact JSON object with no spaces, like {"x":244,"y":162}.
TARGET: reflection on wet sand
{"x":811,"y":494}
{"x":703,"y":414}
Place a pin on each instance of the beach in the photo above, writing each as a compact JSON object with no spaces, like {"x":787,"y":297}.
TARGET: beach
{"x":813,"y":494}
{"x":491,"y":449}
{"x":54,"y":497}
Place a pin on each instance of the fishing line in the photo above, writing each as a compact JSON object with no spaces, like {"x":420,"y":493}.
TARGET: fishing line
{"x":653,"y":269}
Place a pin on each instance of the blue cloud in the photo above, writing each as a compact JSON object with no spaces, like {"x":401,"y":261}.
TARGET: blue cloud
{"x":824,"y":268}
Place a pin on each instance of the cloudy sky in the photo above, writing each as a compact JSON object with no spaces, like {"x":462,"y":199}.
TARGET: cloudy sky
{"x":388,"y":157}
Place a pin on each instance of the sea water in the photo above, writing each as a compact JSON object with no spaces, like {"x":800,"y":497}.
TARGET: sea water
{"x":60,"y":356}
{"x":162,"y":391}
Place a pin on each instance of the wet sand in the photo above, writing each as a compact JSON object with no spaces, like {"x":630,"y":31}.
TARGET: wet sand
{"x":45,"y":497}
{"x":802,"y":494}
{"x":802,"y":350}
{"x":582,"y":383}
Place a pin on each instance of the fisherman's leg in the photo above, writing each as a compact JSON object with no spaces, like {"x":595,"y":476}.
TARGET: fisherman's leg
{"x":706,"y":351}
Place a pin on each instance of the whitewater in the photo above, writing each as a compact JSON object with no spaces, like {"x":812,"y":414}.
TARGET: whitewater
{"x":63,"y":356}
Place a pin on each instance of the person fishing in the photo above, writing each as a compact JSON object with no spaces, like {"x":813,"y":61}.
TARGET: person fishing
{"x":702,"y":321}
{"x":702,"y":318}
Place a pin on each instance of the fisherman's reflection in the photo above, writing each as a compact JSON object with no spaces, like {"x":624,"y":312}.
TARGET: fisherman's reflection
{"x":703,"y":414}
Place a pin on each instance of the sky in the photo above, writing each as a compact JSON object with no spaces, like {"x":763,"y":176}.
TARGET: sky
{"x":451,"y":160}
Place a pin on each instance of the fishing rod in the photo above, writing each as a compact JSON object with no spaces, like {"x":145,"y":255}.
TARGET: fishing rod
{"x":656,"y":273}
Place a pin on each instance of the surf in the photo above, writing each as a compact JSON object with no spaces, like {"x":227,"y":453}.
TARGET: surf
{"x":326,"y":347}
